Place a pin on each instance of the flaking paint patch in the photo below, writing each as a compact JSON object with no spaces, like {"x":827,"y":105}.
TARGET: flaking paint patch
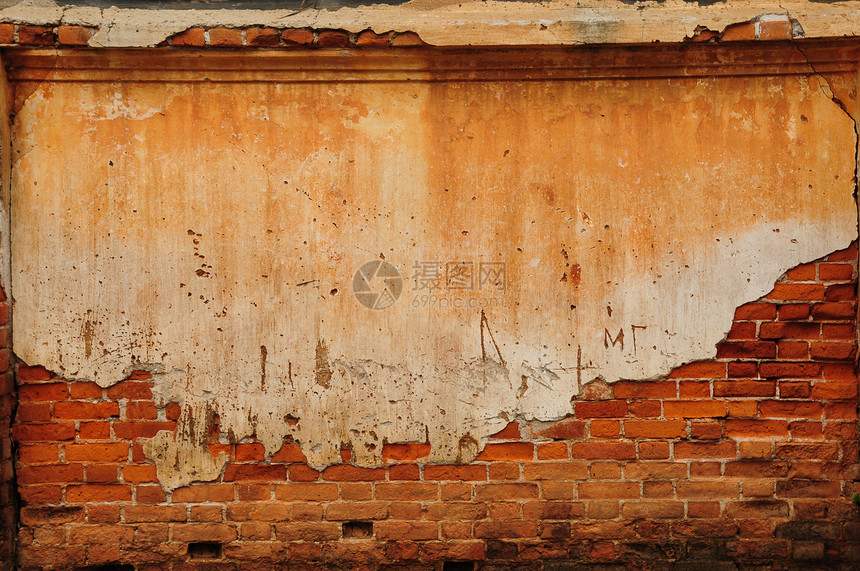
{"x":216,"y":245}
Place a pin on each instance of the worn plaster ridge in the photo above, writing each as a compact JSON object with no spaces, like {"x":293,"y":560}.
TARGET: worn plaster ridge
{"x":563,"y":22}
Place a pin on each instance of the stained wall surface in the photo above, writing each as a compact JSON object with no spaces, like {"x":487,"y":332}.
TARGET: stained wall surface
{"x":547,"y":218}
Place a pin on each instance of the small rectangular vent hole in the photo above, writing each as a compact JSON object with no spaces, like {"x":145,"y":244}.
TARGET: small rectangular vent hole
{"x":204,"y":550}
{"x":458,"y":566}
{"x":357,"y":529}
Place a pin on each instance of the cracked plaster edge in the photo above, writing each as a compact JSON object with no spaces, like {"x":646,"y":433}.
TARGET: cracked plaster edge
{"x":493,"y":22}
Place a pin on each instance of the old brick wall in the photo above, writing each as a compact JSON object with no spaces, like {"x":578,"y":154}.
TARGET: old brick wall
{"x":8,"y":494}
{"x":748,"y":459}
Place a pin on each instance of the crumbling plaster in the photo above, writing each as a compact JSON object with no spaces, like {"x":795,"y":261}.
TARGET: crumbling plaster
{"x":446,"y":23}
{"x":209,"y":227}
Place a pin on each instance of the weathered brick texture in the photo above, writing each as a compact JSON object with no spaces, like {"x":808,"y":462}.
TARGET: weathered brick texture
{"x":749,"y":459}
{"x":8,"y":495}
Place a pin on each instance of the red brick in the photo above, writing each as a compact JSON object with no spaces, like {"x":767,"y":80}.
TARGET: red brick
{"x":646,"y":408}
{"x":406,"y":452}
{"x":342,"y":473}
{"x":791,"y":330}
{"x":567,"y":429}
{"x":250,"y":452}
{"x":841,"y":292}
{"x":140,"y":429}
{"x":806,"y":430}
{"x":744,"y":389}
{"x":132,"y":390}
{"x":404,"y":472}
{"x":802,"y":273}
{"x":192,"y":37}
{"x":34,"y":412}
{"x":742,"y":330}
{"x":109,"y":452}
{"x":34,"y":495}
{"x":694,"y":409}
{"x":835,"y":390}
{"x":818,"y":451}
{"x":700,"y":370}
{"x":50,"y":474}
{"x":407,"y":39}
{"x":306,"y":492}
{"x":552,"y":451}
{"x":792,"y":350}
{"x":192,"y":532}
{"x":790,"y":409}
{"x":35,"y":36}
{"x":370,"y":39}
{"x":604,"y":429}
{"x":834,"y":311}
{"x":263,"y":37}
{"x":790,"y":370}
{"x":98,"y":493}
{"x":797,"y":292}
{"x":608,"y":490}
{"x":74,"y":35}
{"x":254,"y":472}
{"x":302,"y":473}
{"x":835,"y":272}
{"x":344,"y":511}
{"x":101,"y":474}
{"x":756,"y":311}
{"x":225,"y":38}
{"x":333,"y":39}
{"x":703,"y":490}
{"x":465,"y":472}
{"x":833,"y":351}
{"x":655,"y":429}
{"x":758,"y":428}
{"x":172,"y":411}
{"x":297,"y":37}
{"x":85,"y":391}
{"x":808,"y":489}
{"x":86,"y":410}
{"x":141,"y":410}
{"x":44,"y":432}
{"x":653,"y":450}
{"x":504,"y":471}
{"x":199,"y":493}
{"x":747,"y":349}
{"x":601,"y":409}
{"x":837,"y":332}
{"x":138,"y":474}
{"x":7,"y":34}
{"x":603,"y":450}
{"x":406,"y":530}
{"x":94,"y":431}
{"x":160,"y":514}
{"x":706,"y":430}
{"x":793,"y":311}
{"x":849,"y":254}
{"x":727,"y":449}
{"x":507,"y":451}
{"x":694,"y":389}
{"x":506,"y":491}
{"x":38,"y":453}
{"x":253,"y":492}
{"x":45,"y":392}
{"x":556,"y":471}
{"x":742,"y":369}
{"x":505,"y":529}
{"x":642,"y":389}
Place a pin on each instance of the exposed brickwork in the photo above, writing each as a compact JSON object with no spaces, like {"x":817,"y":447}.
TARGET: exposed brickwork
{"x":8,"y":493}
{"x":750,"y":458}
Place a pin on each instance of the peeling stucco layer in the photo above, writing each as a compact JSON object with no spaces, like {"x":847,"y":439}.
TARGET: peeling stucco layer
{"x":210,"y":232}
{"x":447,"y":23}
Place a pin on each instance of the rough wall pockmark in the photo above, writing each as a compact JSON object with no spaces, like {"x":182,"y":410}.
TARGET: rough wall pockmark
{"x":542,"y":225}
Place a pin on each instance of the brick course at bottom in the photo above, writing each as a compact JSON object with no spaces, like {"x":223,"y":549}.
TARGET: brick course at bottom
{"x":746,"y":460}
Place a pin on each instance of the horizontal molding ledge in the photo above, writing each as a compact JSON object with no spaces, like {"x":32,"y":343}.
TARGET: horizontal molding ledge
{"x":432,"y":64}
